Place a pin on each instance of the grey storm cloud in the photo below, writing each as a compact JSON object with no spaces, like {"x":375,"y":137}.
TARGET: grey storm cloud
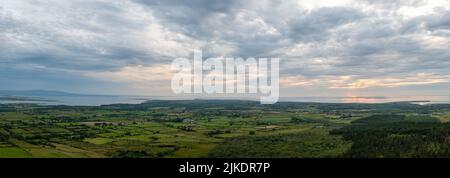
{"x":365,"y":39}
{"x":317,"y":24}
{"x":439,"y":22}
{"x":190,"y":17}
{"x":81,"y":35}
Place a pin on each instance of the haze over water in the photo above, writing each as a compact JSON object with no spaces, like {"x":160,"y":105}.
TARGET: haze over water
{"x":94,"y":100}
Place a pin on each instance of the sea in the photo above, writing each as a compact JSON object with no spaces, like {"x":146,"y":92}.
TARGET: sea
{"x":94,"y":100}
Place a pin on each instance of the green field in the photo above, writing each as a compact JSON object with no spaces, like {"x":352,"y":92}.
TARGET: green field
{"x":243,"y":129}
{"x":13,"y":152}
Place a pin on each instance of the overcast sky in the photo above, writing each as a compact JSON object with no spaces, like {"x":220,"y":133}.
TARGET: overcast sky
{"x":327,"y":47}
